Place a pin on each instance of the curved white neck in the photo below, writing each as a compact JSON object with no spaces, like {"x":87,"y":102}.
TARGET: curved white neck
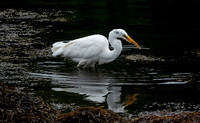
{"x":110,"y":55}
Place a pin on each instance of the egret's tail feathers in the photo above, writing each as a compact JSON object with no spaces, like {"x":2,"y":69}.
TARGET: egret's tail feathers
{"x":57,"y":51}
{"x":58,"y":44}
{"x":59,"y":47}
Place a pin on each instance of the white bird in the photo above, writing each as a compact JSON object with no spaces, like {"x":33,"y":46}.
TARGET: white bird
{"x":88,"y":50}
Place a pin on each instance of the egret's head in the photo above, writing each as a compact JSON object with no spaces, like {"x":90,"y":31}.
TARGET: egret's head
{"x":120,"y":33}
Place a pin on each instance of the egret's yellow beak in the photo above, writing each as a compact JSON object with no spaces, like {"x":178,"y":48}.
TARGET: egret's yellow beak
{"x":131,"y":41}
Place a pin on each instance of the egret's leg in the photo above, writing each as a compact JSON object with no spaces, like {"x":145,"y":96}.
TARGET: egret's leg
{"x":81,"y":63}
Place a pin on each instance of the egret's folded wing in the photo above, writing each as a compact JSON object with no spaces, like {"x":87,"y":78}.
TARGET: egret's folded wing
{"x":86,"y":48}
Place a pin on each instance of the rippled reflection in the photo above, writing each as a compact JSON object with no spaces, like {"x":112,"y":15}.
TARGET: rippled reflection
{"x":96,"y":86}
{"x":105,"y":86}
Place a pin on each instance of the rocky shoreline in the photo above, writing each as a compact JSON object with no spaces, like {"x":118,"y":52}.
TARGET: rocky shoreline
{"x":17,"y":106}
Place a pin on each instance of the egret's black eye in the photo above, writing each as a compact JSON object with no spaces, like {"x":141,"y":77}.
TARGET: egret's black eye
{"x":116,"y":32}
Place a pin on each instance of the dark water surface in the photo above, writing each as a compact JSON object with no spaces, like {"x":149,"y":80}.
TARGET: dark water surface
{"x":162,"y":78}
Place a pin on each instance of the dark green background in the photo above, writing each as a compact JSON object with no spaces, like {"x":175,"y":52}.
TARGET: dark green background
{"x":167,"y":26}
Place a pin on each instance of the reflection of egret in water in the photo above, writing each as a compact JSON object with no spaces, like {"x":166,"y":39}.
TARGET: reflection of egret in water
{"x":113,"y":99}
{"x":105,"y":86}
{"x":96,"y":86}
{"x":99,"y":94}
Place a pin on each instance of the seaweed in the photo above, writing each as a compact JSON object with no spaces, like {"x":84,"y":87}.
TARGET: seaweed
{"x":90,"y":115}
{"x":193,"y":117}
{"x":16,"y":106}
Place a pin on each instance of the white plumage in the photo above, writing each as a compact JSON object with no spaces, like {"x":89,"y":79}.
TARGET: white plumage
{"x":91,"y":49}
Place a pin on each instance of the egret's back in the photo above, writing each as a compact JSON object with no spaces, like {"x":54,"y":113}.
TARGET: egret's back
{"x":84,"y":50}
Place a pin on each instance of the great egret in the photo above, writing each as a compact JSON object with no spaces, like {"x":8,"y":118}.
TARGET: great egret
{"x":88,"y":50}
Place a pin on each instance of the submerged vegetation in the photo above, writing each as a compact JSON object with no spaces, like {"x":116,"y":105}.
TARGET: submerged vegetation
{"x":143,"y":58}
{"x":17,"y":106}
{"x":22,"y":39}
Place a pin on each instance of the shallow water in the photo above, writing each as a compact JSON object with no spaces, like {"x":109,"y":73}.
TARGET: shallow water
{"x":113,"y":89}
{"x":152,"y":80}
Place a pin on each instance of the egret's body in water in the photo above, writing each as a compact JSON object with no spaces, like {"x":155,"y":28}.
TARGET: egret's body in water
{"x":88,"y":50}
